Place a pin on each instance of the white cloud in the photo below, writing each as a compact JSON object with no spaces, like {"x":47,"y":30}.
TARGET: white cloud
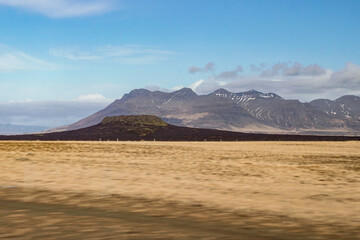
{"x":349,"y":77}
{"x":131,"y":50}
{"x":127,"y":54}
{"x":47,"y":113}
{"x":63,"y":8}
{"x":196,"y":84}
{"x":13,"y":60}
{"x":297,"y":82}
{"x":296,"y":69}
{"x":93,"y":97}
{"x":73,"y":54}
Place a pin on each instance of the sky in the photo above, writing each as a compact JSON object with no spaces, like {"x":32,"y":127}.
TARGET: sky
{"x":78,"y":55}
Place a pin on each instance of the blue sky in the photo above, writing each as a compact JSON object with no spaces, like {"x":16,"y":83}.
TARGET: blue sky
{"x":97,"y":50}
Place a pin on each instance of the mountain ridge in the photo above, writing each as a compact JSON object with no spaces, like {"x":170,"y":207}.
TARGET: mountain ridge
{"x":249,"y":111}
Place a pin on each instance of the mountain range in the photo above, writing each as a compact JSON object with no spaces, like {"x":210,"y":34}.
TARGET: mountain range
{"x":249,"y":111}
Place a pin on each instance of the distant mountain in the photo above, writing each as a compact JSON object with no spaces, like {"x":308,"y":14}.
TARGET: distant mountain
{"x":8,"y":129}
{"x":152,"y":128}
{"x":249,"y":111}
{"x":346,"y":107}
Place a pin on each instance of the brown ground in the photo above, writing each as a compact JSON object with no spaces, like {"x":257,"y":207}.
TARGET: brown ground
{"x":173,"y":190}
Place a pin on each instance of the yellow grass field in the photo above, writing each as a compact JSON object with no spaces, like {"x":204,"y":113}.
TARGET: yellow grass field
{"x":180,"y":190}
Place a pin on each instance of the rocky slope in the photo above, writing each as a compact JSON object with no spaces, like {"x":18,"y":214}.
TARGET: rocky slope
{"x":346,"y":108}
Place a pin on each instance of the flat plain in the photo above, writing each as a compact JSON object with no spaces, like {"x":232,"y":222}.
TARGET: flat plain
{"x":179,"y":190}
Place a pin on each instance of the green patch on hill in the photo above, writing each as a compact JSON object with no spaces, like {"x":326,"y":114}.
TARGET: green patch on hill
{"x":142,"y":120}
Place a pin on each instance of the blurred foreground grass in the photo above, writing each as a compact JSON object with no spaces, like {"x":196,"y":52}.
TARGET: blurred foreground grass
{"x":179,"y":190}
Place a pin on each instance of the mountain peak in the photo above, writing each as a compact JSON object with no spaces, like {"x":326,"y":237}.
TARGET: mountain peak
{"x":136,"y":93}
{"x":250,"y":92}
{"x":270,"y":95}
{"x":220,"y":91}
{"x":185,"y":92}
{"x":185,"y":89}
{"x":347,"y":98}
{"x":255,"y":93}
{"x":140,"y":91}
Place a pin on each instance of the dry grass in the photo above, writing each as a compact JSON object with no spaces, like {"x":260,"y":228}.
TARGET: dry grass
{"x":257,"y":190}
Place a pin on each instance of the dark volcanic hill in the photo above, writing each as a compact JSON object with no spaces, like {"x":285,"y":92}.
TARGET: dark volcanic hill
{"x":250,"y":111}
{"x":146,"y":127}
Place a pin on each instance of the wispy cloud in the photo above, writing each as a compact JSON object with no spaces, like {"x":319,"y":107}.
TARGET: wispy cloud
{"x":12,"y":60}
{"x":131,"y":50}
{"x":63,"y":8}
{"x":127,"y":54}
{"x":47,"y":113}
{"x":51,"y":113}
{"x":93,"y":97}
{"x":73,"y":54}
